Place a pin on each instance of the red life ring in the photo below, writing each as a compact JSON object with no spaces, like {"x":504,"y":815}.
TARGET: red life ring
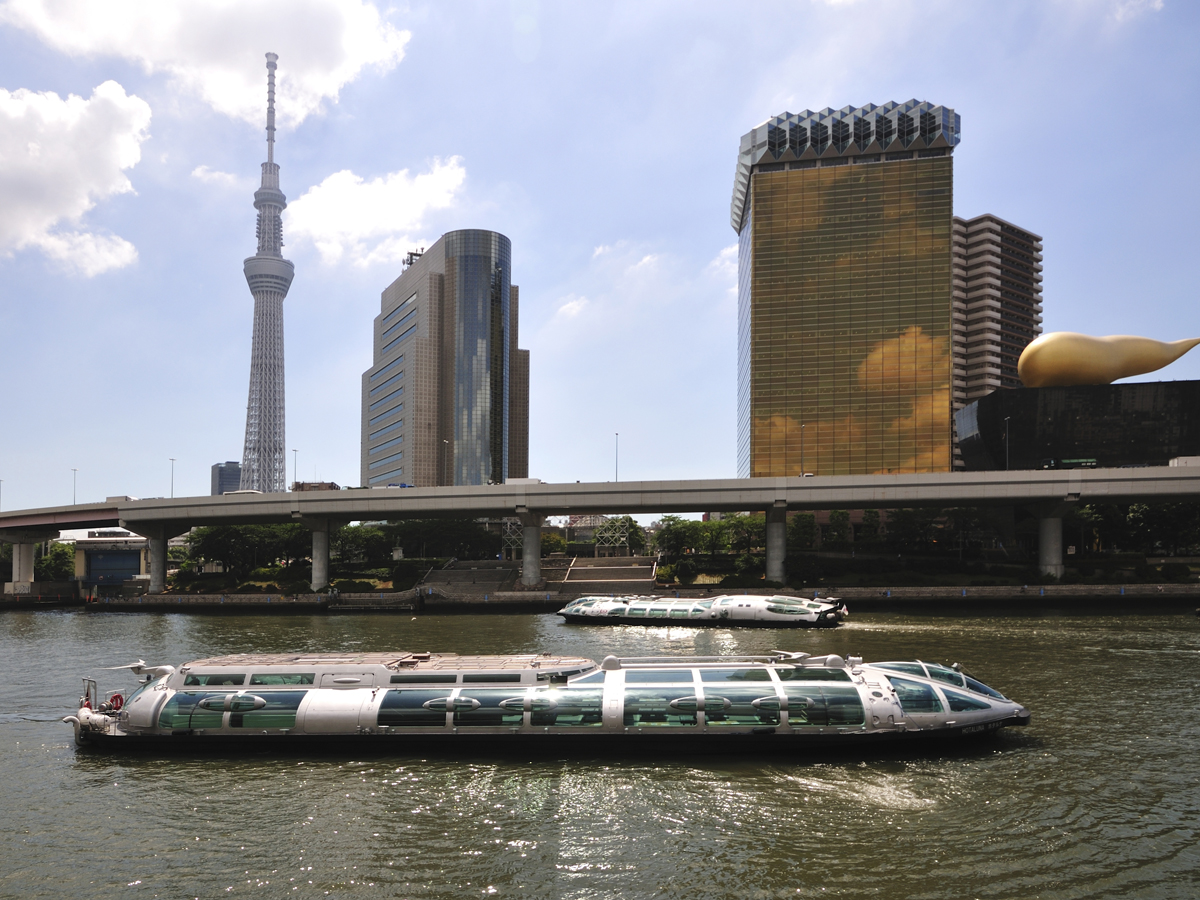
{"x":87,"y":704}
{"x":117,"y":701}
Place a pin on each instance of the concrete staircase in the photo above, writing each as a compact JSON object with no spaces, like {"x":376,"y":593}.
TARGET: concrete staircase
{"x":609,"y":575}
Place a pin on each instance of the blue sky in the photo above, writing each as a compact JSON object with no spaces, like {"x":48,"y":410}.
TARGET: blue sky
{"x":601,"y":138}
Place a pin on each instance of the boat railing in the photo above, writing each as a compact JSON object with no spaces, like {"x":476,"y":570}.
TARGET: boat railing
{"x":666,"y":662}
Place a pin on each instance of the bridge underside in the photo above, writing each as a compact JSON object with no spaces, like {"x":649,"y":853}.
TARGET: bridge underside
{"x":1048,"y":493}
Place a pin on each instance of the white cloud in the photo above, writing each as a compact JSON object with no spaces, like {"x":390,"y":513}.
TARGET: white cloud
{"x":214,"y":48}
{"x":58,"y":157}
{"x":724,"y":264}
{"x":89,"y":254}
{"x":220,"y":179}
{"x":572,"y":306}
{"x":1125,"y":10}
{"x":372,"y":221}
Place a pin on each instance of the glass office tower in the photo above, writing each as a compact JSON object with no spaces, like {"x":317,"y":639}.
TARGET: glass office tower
{"x":844,"y":291}
{"x":446,"y":400}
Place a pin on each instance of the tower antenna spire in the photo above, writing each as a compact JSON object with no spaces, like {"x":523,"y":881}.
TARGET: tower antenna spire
{"x":269,"y":275}
{"x":272,"y":59}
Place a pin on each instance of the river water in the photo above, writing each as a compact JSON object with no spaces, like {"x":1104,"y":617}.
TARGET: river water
{"x":1099,"y":797}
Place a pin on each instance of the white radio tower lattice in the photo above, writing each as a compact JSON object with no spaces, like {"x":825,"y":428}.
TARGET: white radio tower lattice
{"x":264,"y":459}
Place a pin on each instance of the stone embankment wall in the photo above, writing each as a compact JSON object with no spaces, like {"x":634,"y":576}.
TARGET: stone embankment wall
{"x":1142,"y":597}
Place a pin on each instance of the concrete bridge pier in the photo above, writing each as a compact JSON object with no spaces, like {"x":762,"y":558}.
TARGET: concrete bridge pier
{"x":320,"y":553}
{"x":22,"y":567}
{"x":24,"y":541}
{"x":777,"y":542}
{"x":157,"y":534}
{"x":531,"y":548}
{"x":1050,"y":555}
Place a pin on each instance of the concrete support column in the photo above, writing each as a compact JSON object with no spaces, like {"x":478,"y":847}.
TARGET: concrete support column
{"x":320,"y":553}
{"x":1050,"y":558}
{"x":158,"y":562}
{"x":776,"y":543}
{"x":531,"y":549}
{"x":22,"y":562}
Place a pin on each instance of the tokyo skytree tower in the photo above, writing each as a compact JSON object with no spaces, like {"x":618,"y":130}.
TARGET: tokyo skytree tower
{"x":264,"y":457}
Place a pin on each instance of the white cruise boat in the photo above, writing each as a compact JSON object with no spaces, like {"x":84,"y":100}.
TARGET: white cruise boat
{"x":746,"y":610}
{"x":404,"y":701}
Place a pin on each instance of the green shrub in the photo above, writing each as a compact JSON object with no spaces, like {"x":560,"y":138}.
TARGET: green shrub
{"x":748,"y":564}
{"x":665,"y":574}
{"x":685,"y":571}
{"x":1176,"y":572}
{"x":406,"y":573}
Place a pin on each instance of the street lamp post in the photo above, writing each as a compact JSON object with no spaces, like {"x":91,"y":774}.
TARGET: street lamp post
{"x":172,"y":477}
{"x":73,"y":477}
{"x":802,"y":450}
{"x":445,"y":461}
{"x":295,"y":467}
{"x":617,"y":457}
{"x":1006,"y":418}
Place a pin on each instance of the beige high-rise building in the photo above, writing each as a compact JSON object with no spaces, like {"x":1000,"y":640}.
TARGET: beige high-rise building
{"x":997,"y":303}
{"x":447,"y":399}
{"x":997,"y":306}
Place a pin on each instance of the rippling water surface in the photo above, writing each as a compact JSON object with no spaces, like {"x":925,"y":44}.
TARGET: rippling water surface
{"x":1099,"y":797}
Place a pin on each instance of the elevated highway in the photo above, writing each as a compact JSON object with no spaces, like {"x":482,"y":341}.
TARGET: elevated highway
{"x":1047,"y":493}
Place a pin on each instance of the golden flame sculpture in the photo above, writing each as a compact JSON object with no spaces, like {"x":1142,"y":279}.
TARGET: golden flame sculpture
{"x":1064,"y":358}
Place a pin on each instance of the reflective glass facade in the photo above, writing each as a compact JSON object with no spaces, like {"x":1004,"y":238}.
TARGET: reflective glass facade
{"x":478,"y":264}
{"x":844,"y":316}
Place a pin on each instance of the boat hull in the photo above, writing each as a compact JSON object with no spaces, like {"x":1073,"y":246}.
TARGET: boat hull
{"x":698,"y":623}
{"x":576,"y":744}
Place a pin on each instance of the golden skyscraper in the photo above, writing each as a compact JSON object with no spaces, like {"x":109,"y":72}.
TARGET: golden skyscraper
{"x":845,"y":310}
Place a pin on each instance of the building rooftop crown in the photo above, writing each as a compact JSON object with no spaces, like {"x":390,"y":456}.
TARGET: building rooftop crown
{"x":849,"y":131}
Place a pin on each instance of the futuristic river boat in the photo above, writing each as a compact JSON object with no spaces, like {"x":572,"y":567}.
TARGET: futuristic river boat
{"x":729,"y":609}
{"x":410,"y":700}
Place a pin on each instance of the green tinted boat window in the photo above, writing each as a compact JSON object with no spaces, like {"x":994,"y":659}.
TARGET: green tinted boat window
{"x":407,"y":708}
{"x":666,"y":707}
{"x":492,"y":678}
{"x":568,"y":708}
{"x":915,"y":697}
{"x":636,"y":611}
{"x":907,"y":668}
{"x":280,"y":711}
{"x":181,"y":711}
{"x":805,"y":705}
{"x":272,"y":678}
{"x":963,"y":703}
{"x":679,"y":613}
{"x":941,"y":673}
{"x":714,"y":675}
{"x":982,"y":688}
{"x":657,"y":676}
{"x":489,"y":708}
{"x":737,"y":705}
{"x":843,"y":705}
{"x":215,"y":679}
